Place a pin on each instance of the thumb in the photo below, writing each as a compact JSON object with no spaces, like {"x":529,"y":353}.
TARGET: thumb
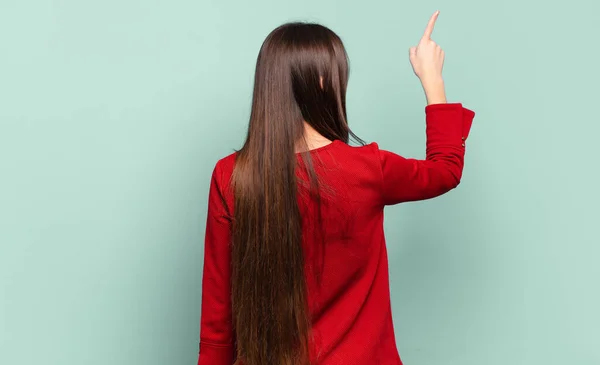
{"x":412,"y":53}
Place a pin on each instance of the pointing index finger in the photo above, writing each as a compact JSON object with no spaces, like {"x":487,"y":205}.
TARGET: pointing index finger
{"x":430,"y":25}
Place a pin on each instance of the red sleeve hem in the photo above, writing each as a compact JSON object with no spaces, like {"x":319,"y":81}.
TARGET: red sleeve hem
{"x":468,"y":116}
{"x":213,"y":354}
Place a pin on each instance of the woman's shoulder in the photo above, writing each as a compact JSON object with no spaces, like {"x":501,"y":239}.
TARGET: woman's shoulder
{"x":339,"y":149}
{"x":223,"y":170}
{"x":226,"y":163}
{"x":361,"y":160}
{"x":366,"y":150}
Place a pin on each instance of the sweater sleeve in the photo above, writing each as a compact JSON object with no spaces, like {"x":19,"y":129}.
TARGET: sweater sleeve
{"x":404,"y":179}
{"x":216,"y":333}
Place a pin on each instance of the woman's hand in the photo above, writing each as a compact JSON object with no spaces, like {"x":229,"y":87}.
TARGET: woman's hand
{"x":427,"y":60}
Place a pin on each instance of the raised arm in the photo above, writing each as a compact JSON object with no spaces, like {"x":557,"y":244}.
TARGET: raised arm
{"x":405,"y":179}
{"x":448,"y":127}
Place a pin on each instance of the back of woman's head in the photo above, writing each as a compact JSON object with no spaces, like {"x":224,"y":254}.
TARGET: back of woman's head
{"x":301,"y":76}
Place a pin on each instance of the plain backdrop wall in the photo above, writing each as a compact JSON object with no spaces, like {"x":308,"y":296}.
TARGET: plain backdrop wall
{"x":113,"y":114}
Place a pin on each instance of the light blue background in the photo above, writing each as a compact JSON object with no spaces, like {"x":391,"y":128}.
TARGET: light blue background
{"x":113,"y":113}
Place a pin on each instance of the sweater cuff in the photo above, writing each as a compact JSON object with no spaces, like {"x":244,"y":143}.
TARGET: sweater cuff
{"x":467,"y":115}
{"x":212,"y":354}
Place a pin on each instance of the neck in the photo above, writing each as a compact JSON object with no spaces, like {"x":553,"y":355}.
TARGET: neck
{"x":312,"y":139}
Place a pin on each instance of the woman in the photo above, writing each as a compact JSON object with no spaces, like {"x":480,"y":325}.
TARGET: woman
{"x":295,"y":265}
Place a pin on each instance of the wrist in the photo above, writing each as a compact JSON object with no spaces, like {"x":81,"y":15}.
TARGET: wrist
{"x":436,"y":99}
{"x":434,"y":90}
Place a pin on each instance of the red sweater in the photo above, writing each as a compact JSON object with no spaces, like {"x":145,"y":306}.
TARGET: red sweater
{"x":350,"y":304}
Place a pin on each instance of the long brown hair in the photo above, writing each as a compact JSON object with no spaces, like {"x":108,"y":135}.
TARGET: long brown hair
{"x":301,"y":75}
